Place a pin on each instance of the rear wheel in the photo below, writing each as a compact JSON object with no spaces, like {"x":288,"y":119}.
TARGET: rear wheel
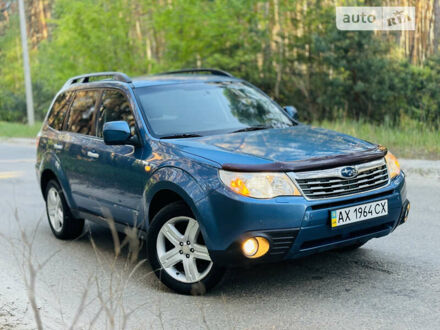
{"x":178,"y":254}
{"x":61,"y":221}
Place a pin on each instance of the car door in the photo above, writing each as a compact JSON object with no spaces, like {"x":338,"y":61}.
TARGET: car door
{"x":119,"y":176}
{"x":77,"y":153}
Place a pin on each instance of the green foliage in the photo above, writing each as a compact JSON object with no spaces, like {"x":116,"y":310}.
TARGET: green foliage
{"x":209,"y":34}
{"x":14,"y":130}
{"x":89,"y":36}
{"x":293,"y":52}
{"x":12,"y":103}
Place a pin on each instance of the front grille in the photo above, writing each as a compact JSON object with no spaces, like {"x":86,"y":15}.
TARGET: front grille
{"x":330,"y":184}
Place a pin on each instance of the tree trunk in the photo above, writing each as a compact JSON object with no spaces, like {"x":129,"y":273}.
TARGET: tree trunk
{"x":436,"y":25}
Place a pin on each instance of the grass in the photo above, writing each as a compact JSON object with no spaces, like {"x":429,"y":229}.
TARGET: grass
{"x":14,"y":130}
{"x":410,"y":141}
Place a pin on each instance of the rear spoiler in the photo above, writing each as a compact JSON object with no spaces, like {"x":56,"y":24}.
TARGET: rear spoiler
{"x":312,"y":164}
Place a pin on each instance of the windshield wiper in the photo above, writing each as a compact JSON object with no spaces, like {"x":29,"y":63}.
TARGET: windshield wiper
{"x":252,"y":128}
{"x":181,"y":136}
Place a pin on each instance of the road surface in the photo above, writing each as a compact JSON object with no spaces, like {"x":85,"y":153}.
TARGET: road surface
{"x":390,"y":283}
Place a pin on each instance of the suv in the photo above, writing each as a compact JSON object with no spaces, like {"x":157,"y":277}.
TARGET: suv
{"x":211,"y":171}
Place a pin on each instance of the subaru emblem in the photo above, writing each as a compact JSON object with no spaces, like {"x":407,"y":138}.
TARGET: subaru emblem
{"x":349,"y":172}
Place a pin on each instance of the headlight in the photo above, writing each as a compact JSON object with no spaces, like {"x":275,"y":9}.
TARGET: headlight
{"x":259,"y":185}
{"x":393,"y":165}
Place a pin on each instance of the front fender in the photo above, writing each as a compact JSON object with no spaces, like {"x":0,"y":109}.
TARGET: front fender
{"x":178,"y":181}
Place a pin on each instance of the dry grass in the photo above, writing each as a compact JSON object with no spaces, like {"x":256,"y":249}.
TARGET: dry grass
{"x":411,"y":140}
{"x":106,"y":288}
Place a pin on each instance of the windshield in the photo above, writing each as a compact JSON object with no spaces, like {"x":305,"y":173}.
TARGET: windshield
{"x":208,"y":108}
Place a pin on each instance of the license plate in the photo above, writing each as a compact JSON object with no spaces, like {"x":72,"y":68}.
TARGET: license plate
{"x":359,"y":213}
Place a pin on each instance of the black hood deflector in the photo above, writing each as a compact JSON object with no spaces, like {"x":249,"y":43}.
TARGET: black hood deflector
{"x":312,"y":164}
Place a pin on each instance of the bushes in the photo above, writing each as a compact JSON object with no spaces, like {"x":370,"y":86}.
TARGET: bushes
{"x":12,"y":106}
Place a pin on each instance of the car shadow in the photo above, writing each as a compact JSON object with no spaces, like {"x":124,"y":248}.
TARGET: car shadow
{"x":327,"y":269}
{"x":324,"y":272}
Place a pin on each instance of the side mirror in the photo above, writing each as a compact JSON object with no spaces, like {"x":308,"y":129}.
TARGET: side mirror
{"x":291,"y":112}
{"x":116,"y":132}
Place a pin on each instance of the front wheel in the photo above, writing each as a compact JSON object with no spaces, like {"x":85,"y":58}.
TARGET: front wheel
{"x":178,"y":254}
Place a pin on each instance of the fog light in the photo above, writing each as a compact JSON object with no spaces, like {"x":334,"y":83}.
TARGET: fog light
{"x":255,"y":247}
{"x":250,"y":247}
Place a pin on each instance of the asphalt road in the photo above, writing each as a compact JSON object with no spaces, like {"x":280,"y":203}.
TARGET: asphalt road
{"x":392,"y":282}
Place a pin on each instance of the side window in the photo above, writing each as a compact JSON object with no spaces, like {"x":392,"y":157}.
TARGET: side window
{"x":114,"y":106}
{"x":58,"y":111}
{"x":81,"y":112}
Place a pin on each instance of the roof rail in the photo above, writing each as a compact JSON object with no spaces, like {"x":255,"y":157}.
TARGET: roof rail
{"x":118,"y":76}
{"x":212,"y":71}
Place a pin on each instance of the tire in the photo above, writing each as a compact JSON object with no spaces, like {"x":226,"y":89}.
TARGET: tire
{"x":61,"y":222}
{"x":352,"y":247}
{"x":182,"y":267}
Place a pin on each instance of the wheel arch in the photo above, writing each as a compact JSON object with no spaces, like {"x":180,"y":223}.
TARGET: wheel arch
{"x":169,"y":185}
{"x":47,"y":176}
{"x":50,"y":168}
{"x":161,"y":199}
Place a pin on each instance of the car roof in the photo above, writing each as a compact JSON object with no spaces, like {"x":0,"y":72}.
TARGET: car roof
{"x":178,"y":78}
{"x":122,"y":80}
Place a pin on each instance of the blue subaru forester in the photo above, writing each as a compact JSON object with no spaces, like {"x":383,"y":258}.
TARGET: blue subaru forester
{"x":211,"y":171}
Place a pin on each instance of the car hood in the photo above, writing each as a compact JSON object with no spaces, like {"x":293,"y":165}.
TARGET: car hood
{"x":282,"y":145}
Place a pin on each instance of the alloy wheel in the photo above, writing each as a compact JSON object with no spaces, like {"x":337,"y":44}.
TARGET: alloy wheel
{"x":55,"y":209}
{"x":181,"y":250}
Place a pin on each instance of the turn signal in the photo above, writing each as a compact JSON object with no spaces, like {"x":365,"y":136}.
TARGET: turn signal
{"x":393,"y":165}
{"x":239,"y":187}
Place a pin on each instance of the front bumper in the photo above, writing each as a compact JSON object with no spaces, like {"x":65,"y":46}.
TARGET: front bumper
{"x":294,"y":226}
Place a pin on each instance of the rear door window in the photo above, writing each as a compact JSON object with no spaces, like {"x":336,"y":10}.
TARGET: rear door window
{"x":58,"y":111}
{"x":82,"y":111}
{"x":115,"y":106}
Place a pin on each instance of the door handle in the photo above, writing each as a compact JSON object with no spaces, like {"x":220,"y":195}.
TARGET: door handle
{"x":58,"y":146}
{"x":92,"y":154}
